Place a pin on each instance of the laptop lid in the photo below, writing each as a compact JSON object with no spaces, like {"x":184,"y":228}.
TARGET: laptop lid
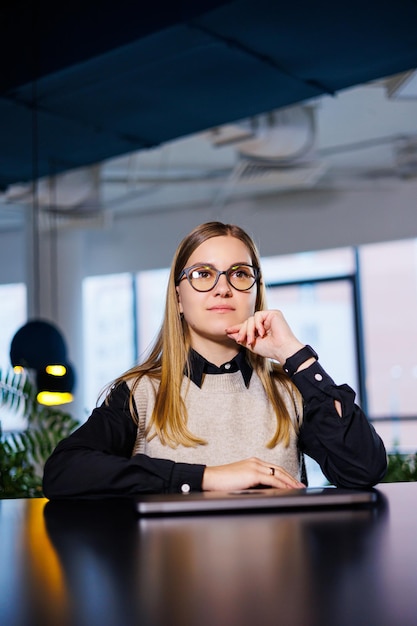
{"x":253,"y":499}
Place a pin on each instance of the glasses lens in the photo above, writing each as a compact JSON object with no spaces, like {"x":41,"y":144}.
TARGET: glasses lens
{"x":202,"y":278}
{"x":242,"y":277}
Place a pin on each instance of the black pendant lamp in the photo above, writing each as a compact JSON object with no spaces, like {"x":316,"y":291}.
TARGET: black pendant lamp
{"x":39,"y":346}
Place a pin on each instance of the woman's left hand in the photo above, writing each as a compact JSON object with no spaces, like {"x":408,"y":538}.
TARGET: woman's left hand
{"x":268,"y":334}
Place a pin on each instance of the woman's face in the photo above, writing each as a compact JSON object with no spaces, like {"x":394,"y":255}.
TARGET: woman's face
{"x":209,"y":313}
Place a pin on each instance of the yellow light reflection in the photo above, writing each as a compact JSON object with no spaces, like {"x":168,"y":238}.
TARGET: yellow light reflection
{"x":46,"y":571}
{"x":53,"y":398}
{"x":56,"y":370}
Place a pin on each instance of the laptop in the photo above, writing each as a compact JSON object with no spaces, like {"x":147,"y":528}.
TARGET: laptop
{"x":254,"y":499}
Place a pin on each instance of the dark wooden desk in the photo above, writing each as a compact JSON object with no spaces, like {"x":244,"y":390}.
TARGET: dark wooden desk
{"x":76,"y":564}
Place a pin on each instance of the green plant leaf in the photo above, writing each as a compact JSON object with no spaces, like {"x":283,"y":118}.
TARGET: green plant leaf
{"x":401,"y":468}
{"x":23,"y":454}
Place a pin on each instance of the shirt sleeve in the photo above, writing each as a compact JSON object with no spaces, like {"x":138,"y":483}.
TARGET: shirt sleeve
{"x":96,"y":459}
{"x":349,"y":451}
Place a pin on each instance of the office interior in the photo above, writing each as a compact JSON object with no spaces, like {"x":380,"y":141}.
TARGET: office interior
{"x":321,"y":171}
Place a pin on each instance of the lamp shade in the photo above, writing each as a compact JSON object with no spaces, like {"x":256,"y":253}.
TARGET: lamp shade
{"x":37,"y":344}
{"x":55,"y":389}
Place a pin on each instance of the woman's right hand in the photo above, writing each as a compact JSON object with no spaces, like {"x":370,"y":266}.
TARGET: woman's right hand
{"x":246,"y":474}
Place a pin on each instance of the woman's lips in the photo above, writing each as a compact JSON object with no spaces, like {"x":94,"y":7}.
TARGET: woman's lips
{"x":221,"y":309}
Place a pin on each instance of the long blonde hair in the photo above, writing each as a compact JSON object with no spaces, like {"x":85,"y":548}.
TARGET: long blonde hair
{"x":169,"y":356}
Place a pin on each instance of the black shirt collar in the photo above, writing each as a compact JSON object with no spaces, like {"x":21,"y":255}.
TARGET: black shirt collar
{"x":200,"y":366}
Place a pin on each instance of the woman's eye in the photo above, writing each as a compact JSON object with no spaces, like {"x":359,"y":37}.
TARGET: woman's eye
{"x":241,"y":273}
{"x":202,"y":273}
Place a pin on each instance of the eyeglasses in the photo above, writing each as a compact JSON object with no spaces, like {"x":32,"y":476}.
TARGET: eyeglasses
{"x":205,"y":277}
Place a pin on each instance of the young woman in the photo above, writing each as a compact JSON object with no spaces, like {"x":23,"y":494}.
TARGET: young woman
{"x":228,"y":398}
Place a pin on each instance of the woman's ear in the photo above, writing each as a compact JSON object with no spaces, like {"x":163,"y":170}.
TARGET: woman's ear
{"x":181,"y":310}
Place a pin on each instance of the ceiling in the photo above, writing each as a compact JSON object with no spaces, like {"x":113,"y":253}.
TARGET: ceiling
{"x":119,"y":100}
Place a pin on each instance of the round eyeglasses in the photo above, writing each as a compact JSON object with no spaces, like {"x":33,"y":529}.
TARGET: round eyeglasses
{"x":205,"y":277}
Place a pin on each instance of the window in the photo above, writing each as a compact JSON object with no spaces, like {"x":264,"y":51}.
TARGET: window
{"x":109,"y":331}
{"x":389,"y":303}
{"x":12,"y":317}
{"x":150,"y":293}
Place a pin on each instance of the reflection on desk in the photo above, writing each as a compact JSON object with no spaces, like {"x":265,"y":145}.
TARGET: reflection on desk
{"x":76,"y":563}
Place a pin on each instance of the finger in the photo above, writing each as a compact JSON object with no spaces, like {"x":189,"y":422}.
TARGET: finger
{"x":250,"y":331}
{"x":244,"y":332}
{"x":260,"y":326}
{"x":278,"y":477}
{"x":233,"y":336}
{"x":233,"y":330}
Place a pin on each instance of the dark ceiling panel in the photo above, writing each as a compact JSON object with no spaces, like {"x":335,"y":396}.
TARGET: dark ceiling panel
{"x":129,"y":79}
{"x":331,"y":44}
{"x":41,"y":37}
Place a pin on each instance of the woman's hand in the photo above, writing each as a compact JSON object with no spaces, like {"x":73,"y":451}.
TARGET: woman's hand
{"x":268,"y":334}
{"x":246,"y":474}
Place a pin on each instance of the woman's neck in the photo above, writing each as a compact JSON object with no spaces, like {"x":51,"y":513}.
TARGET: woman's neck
{"x":214,"y":352}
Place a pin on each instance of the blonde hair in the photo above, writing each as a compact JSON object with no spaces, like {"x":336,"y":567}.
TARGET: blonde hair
{"x":169,"y":356}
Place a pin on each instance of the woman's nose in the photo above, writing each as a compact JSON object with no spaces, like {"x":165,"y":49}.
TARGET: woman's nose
{"x":223,"y":287}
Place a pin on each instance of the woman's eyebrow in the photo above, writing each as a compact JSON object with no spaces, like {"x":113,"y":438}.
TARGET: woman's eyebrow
{"x":213,"y":265}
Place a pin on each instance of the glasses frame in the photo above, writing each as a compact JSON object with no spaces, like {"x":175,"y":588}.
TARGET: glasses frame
{"x":186,"y":274}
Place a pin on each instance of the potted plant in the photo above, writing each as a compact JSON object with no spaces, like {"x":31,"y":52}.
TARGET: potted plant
{"x":401,"y":467}
{"x":24,"y":452}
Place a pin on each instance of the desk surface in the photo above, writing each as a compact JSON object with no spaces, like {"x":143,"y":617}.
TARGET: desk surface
{"x":88,"y":563}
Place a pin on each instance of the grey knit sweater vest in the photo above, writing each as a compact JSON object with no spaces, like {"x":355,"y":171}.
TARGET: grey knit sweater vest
{"x":235,"y":421}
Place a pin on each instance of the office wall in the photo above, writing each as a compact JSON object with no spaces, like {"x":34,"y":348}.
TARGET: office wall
{"x":12,"y":257}
{"x":281,"y":224}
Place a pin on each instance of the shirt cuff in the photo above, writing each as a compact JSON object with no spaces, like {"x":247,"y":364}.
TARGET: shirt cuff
{"x":186,"y":478}
{"x":313,"y":379}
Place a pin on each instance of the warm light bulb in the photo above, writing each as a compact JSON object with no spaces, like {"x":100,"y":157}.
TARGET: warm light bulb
{"x":18,"y":369}
{"x":56,"y":370}
{"x":52,"y":398}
